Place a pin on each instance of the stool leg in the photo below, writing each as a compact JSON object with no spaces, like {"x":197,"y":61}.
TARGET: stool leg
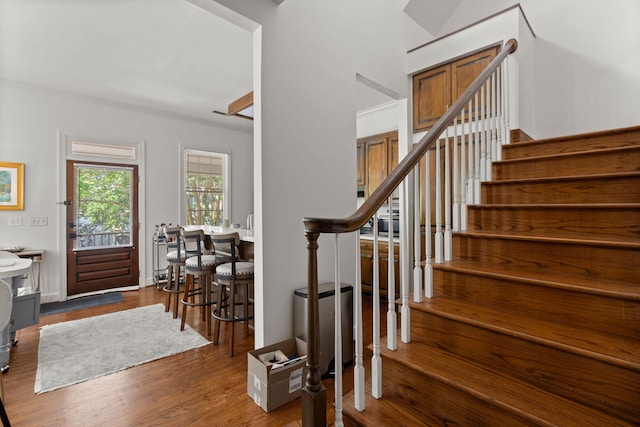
{"x":187,"y":285}
{"x":218,"y":311}
{"x":167,"y":303}
{"x":245,"y":307}
{"x":232,"y":315}
{"x":207,"y":307}
{"x":176,"y":285}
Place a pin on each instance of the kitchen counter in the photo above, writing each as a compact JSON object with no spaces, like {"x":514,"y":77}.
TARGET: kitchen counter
{"x":380,"y":238}
{"x":245,"y":235}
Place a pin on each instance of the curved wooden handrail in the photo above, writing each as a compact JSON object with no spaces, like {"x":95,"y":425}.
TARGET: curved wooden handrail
{"x":382,"y":193}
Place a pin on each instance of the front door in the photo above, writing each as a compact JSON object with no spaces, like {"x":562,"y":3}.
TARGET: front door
{"x":102,"y":226}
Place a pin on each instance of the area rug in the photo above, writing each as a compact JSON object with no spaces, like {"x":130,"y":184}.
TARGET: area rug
{"x":80,"y":350}
{"x":80,"y":303}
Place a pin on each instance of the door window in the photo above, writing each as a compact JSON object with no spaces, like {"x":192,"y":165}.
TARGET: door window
{"x":103,"y":206}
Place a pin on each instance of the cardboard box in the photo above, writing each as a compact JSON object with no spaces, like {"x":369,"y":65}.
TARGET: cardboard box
{"x":272,"y":380}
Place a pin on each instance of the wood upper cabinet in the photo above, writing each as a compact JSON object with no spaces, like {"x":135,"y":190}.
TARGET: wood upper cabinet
{"x":431,"y":96}
{"x":377,"y":155}
{"x":435,"y":89}
{"x":361,"y":164}
{"x":392,"y":155}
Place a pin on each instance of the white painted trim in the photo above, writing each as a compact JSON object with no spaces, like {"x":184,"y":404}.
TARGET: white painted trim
{"x":64,"y":154}
{"x":226,"y":172}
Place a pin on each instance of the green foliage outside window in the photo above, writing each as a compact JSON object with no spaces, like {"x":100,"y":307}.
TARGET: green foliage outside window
{"x":103,"y":200}
{"x":204,"y":194}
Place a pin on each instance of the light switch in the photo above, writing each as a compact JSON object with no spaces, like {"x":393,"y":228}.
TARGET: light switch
{"x":15,"y":221}
{"x":39,"y":221}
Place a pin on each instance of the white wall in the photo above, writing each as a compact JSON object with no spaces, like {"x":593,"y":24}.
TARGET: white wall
{"x":311,"y":52}
{"x":29,"y":122}
{"x":586,"y":61}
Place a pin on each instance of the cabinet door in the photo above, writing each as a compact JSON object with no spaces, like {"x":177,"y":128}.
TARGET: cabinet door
{"x":366,"y":268}
{"x":392,"y":145}
{"x":431,"y":96}
{"x":376,"y":164}
{"x":464,"y":71}
{"x":384,"y":275}
{"x":361,"y":164}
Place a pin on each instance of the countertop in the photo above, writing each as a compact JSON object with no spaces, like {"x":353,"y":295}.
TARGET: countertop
{"x":245,"y":235}
{"x":380,"y":238}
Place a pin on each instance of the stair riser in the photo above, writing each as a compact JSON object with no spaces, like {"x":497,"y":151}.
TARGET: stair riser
{"x":570,"y":145}
{"x":606,"y":189}
{"x":568,"y":222}
{"x":613,"y":263}
{"x":441,"y":404}
{"x":615,"y":161}
{"x":604,"y":314}
{"x":597,"y":384}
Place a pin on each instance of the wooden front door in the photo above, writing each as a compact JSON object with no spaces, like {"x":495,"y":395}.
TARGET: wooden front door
{"x":102,"y":226}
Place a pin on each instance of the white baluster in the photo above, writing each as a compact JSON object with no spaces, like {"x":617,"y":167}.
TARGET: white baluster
{"x":428,"y":267}
{"x":338,"y":340}
{"x":376,"y":360}
{"x":507,"y":97}
{"x":456,"y":188}
{"x":417,"y":250}
{"x":470,"y":174}
{"x":477,"y":136}
{"x":492,"y":125}
{"x":392,"y":335}
{"x":447,"y":200}
{"x":463,"y":178}
{"x":358,"y":370}
{"x":483,"y":136}
{"x":405,"y":312}
{"x":499,"y":117}
{"x":439,"y":237}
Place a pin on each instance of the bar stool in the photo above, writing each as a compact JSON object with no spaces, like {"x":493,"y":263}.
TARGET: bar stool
{"x":235,"y":287}
{"x":201,"y":265}
{"x":175,"y":266}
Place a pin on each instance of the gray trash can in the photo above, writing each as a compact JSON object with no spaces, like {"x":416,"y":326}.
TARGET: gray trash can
{"x":326,"y":303}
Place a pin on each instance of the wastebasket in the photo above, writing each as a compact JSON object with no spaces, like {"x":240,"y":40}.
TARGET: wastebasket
{"x":326,"y":310}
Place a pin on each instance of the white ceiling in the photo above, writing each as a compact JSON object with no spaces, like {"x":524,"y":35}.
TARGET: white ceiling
{"x":168,"y":55}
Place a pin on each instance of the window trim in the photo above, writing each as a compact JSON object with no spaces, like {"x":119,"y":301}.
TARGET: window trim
{"x":226,"y":178}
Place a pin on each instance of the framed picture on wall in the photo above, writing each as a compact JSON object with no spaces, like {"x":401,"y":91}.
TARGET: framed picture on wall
{"x":11,"y":186}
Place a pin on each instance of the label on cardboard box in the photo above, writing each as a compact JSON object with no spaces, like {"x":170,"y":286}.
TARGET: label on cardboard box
{"x":295,"y":380}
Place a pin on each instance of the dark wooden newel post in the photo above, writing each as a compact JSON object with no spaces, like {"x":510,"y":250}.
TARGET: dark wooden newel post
{"x":314,"y":395}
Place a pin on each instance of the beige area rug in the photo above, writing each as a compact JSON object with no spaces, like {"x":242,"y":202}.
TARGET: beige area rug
{"x":80,"y":350}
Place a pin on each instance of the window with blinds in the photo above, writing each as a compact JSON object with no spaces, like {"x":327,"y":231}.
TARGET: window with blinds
{"x":204,"y":187}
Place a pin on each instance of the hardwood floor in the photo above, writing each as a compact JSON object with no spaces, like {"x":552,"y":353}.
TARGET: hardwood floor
{"x":199,"y":387}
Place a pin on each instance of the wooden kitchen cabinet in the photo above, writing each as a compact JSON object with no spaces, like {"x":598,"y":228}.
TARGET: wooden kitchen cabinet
{"x":377,"y":155}
{"x":366,"y":266}
{"x":436,"y":88}
{"x":360,"y":174}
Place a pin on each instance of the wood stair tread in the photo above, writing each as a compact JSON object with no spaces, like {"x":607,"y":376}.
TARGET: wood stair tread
{"x":621,"y":175}
{"x":597,"y":286}
{"x":382,"y":412}
{"x":570,"y":154}
{"x":634,"y":244}
{"x":511,"y":394}
{"x":619,"y":351}
{"x":587,"y":136}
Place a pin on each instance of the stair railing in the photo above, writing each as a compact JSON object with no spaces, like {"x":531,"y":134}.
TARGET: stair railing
{"x":475,"y":144}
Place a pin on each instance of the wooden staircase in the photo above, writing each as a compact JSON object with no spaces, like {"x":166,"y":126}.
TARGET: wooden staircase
{"x":537,"y":319}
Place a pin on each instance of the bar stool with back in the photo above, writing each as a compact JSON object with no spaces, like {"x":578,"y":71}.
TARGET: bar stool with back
{"x":176,"y":257}
{"x":235,"y":287}
{"x":201,"y":265}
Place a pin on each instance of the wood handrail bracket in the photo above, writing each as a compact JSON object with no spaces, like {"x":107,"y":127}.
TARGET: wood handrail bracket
{"x":313,"y":394}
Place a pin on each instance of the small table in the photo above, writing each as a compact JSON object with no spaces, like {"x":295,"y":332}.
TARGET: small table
{"x":13,"y":274}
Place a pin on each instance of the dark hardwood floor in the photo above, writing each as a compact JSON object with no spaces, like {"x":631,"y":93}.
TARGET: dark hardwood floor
{"x":199,"y":387}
